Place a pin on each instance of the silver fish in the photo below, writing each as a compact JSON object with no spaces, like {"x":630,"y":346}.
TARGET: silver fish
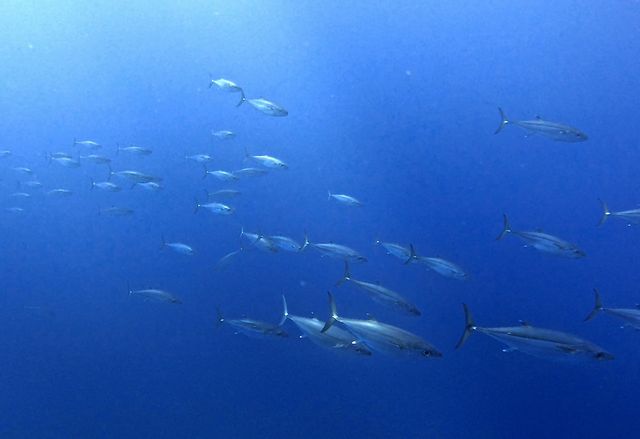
{"x":630,"y":315}
{"x":228,"y":86}
{"x":250,"y":172}
{"x":90,"y":144}
{"x":58,"y":155}
{"x":285,"y":243}
{"x":116,"y":211}
{"x":334,"y":338}
{"x":135,"y":176}
{"x":259,"y":241}
{"x":253,"y":328}
{"x":149,"y":186}
{"x":632,"y":216}
{"x":382,"y":337}
{"x":23,"y":170}
{"x":155,"y":295}
{"x":441,"y":266}
{"x":223,"y":134}
{"x":217,"y":208}
{"x":223,"y":193}
{"x":346,"y":200}
{"x":137,"y":150}
{"x":220,"y":175}
{"x":60,"y":193}
{"x":335,"y":250}
{"x":66,"y":162}
{"x":264,"y":106}
{"x":552,"y":130}
{"x":266,"y":160}
{"x":199,"y":158}
{"x":398,"y":250}
{"x":544,"y":242}
{"x":20,"y":195}
{"x":96,"y":159}
{"x":227,"y":259}
{"x":105,"y":186}
{"x":32,"y":184}
{"x":178,"y":247}
{"x":14,"y":209}
{"x":539,"y":342}
{"x":380,"y":294}
{"x":5,"y":153}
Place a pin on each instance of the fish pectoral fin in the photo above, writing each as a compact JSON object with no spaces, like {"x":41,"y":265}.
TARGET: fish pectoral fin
{"x":567,"y":349}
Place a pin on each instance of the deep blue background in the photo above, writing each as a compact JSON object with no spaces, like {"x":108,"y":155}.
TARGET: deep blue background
{"x":393,"y":102}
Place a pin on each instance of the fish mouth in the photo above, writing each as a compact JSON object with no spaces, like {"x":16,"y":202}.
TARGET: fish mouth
{"x":432,"y":354}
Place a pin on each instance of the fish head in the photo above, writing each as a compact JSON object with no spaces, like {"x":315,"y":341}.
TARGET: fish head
{"x":578,"y":253}
{"x":580,"y":136}
{"x":414,"y":311}
{"x":174,"y":300}
{"x":431,"y":352}
{"x":602,"y":356}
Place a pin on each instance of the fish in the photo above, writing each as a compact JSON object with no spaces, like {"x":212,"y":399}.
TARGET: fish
{"x":32,"y":184}
{"x":134,"y":176}
{"x":14,"y":209}
{"x":137,"y":150}
{"x":199,"y":158}
{"x":552,"y":130}
{"x":5,"y":153}
{"x":58,"y":155}
{"x":441,"y":266}
{"x":226,"y":259}
{"x":155,"y":295}
{"x":538,"y":342}
{"x":380,"y":294}
{"x":631,"y":316}
{"x":264,"y":106}
{"x":250,"y":172}
{"x":259,"y":241}
{"x":66,"y":162}
{"x":217,"y":208}
{"x":398,"y":250}
{"x":224,"y":193}
{"x":252,"y":328}
{"x":228,"y":86}
{"x":96,"y":159}
{"x":266,"y":161}
{"x":23,"y":170}
{"x":334,"y":338}
{"x":90,"y":144}
{"x":544,"y":242}
{"x":382,"y":337}
{"x":346,"y":200}
{"x":20,"y":195}
{"x":60,"y":193}
{"x":105,"y":186}
{"x":177,"y":247}
{"x":632,"y":216}
{"x":220,"y":175}
{"x":223,"y":134}
{"x":116,"y":211}
{"x":335,"y":250}
{"x":149,"y":186}
{"x":284,"y":243}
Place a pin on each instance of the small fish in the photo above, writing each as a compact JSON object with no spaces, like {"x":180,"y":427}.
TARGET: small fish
{"x":264,"y":106}
{"x":380,"y":294}
{"x":266,"y":161}
{"x":259,"y":241}
{"x":223,"y":134}
{"x":136,"y":150}
{"x":382,"y":337}
{"x":335,"y":250}
{"x":228,"y":86}
{"x":58,"y":155}
{"x":217,"y":208}
{"x":105,"y":186}
{"x":116,"y":211}
{"x":630,"y":315}
{"x":223,"y":193}
{"x":20,"y":195}
{"x":90,"y":144}
{"x":149,"y":186}
{"x":544,"y":242}
{"x":14,"y":209}
{"x":220,"y":175}
{"x":285,"y":243}
{"x":32,"y":184}
{"x":252,"y":328}
{"x":226,"y":259}
{"x":199,"y":158}
{"x":60,"y":193}
{"x":632,"y":216}
{"x":23,"y":170}
{"x":155,"y":295}
{"x":5,"y":153}
{"x":250,"y":172}
{"x":439,"y":265}
{"x":539,"y":342}
{"x":398,"y":250}
{"x":346,"y":200}
{"x":178,"y":247}
{"x":96,"y":159}
{"x":334,"y":338}
{"x":134,"y":176}
{"x":66,"y":162}
{"x":552,"y":130}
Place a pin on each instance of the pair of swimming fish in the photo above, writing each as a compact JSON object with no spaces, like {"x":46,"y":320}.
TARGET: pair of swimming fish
{"x":262,"y":105}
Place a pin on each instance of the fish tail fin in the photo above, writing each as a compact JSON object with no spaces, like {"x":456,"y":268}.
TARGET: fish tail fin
{"x":413,"y":256}
{"x":246,"y":153}
{"x":206,"y":171}
{"x":210,"y":80}
{"x":285,"y":312}
{"x":195,"y":209}
{"x":329,"y":199}
{"x":219,"y":317}
{"x":48,"y":157}
{"x":163,"y":243}
{"x":129,"y":288}
{"x":110,"y":173}
{"x":503,"y":121}
{"x":75,"y":141}
{"x":241,"y":231}
{"x":93,"y":184}
{"x":242,"y":98}
{"x":506,"y":228}
{"x":597,"y":307}
{"x":334,"y":314}
{"x":118,"y":148}
{"x":469,"y":326}
{"x":605,"y":212}
{"x":306,"y":241}
{"x":346,"y":276}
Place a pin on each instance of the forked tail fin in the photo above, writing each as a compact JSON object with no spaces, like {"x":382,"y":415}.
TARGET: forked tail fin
{"x":333,"y":317}
{"x":503,"y":121}
{"x":506,"y":227}
{"x":597,"y":307}
{"x":469,"y":326}
{"x":285,"y":312}
{"x":605,"y":213}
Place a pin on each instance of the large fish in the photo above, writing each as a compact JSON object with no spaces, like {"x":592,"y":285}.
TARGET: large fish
{"x":544,"y":242}
{"x":630,"y":315}
{"x":380,"y":294}
{"x":334,"y":338}
{"x":632,"y":215}
{"x":252,"y":328}
{"x":398,"y":250}
{"x":155,"y":295}
{"x":382,"y":337}
{"x":539,"y":342}
{"x":228,"y":86}
{"x":264,"y":106}
{"x":335,"y":250}
{"x":552,"y":130}
{"x":441,"y":266}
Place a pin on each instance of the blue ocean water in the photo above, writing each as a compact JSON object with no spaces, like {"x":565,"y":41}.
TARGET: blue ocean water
{"x":392,"y":102}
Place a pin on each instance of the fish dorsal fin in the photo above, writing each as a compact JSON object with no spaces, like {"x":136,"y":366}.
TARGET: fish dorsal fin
{"x":523,"y":323}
